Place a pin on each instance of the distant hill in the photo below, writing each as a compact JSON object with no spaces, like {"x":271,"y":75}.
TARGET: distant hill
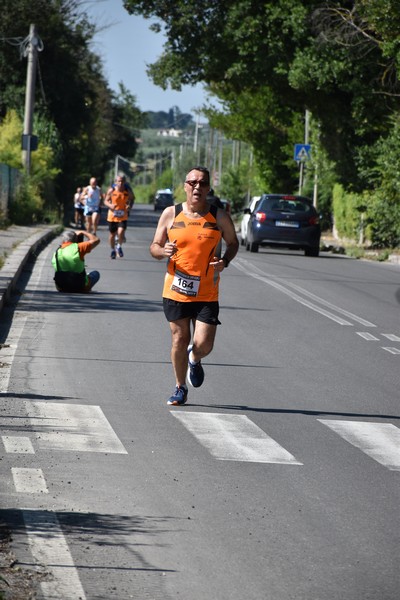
{"x":174,"y":118}
{"x":157,"y":140}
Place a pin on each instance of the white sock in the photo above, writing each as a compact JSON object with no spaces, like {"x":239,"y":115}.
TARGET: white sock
{"x":192,"y":362}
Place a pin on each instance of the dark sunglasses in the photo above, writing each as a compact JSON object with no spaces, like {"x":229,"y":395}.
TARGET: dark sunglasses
{"x":202,"y":183}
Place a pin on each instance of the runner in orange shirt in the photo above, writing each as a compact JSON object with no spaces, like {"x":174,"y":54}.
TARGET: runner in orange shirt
{"x":117,"y":201}
{"x":189,"y":235}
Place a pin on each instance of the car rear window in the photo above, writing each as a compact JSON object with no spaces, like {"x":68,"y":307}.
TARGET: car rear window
{"x":291,"y":205}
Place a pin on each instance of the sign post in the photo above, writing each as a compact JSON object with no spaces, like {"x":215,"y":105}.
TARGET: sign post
{"x":301,"y":155}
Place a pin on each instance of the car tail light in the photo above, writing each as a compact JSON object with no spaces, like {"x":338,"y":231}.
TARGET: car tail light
{"x":261,"y":217}
{"x":314,"y":220}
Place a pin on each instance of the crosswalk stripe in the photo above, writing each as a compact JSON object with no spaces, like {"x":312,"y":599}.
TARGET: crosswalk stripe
{"x":49,"y":547}
{"x":392,"y":337}
{"x":391,"y":350}
{"x":14,"y":444}
{"x":367,"y":336}
{"x":380,"y":441}
{"x":73,"y":427}
{"x":29,"y":481}
{"x":234,"y":437}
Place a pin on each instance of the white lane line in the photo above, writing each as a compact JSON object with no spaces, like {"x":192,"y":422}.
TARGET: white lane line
{"x":367,"y":336}
{"x":256,"y":273}
{"x":17,"y":444}
{"x":8,"y":350}
{"x":342,"y":311}
{"x":288,"y":292}
{"x":380,"y":441}
{"x":29,"y":481}
{"x":392,"y":337}
{"x":49,"y":548}
{"x":234,"y":437}
{"x":391,"y":350}
{"x":72,"y":427}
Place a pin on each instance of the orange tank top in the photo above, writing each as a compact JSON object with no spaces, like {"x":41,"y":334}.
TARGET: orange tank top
{"x":189,"y":277}
{"x":120,"y":212}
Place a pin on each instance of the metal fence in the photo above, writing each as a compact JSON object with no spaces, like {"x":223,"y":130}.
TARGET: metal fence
{"x":9,"y":180}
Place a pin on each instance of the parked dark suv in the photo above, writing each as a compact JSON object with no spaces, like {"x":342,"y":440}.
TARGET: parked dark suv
{"x":162,"y":199}
{"x":286,"y":221}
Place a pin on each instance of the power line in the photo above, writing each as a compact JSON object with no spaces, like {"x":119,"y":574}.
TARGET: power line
{"x":24,"y":43}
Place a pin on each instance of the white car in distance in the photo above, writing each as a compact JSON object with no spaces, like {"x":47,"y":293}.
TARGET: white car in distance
{"x":246,"y":217}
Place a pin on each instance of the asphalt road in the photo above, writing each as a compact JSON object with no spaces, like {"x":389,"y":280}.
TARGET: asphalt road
{"x":279,"y":480}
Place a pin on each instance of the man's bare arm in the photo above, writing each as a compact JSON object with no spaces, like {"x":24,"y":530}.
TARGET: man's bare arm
{"x":160,"y":248}
{"x":107,"y":200}
{"x":229,"y":236}
{"x":93,"y":239}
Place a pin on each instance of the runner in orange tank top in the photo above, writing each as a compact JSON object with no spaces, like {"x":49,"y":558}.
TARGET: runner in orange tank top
{"x":189,"y":276}
{"x":189,"y":236}
{"x":118,"y":203}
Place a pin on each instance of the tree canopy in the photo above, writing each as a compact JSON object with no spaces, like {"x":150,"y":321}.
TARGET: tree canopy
{"x":88,"y":122}
{"x":270,"y":61}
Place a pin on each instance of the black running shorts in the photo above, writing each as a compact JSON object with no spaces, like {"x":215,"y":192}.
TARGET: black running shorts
{"x":206,"y":312}
{"x":113,"y":226}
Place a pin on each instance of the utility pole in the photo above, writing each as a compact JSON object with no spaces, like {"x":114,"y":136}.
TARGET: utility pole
{"x":31,"y":51}
{"x":220,"y":155}
{"x":315,"y":192}
{"x":250,"y":169}
{"x":116,"y":166}
{"x":196,"y":133}
{"x":306,"y":138}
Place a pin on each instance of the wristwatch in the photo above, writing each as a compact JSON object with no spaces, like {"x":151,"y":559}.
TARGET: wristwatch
{"x":226,"y":261}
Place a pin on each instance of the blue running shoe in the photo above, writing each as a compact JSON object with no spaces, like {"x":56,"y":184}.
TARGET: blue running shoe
{"x":113,"y":254}
{"x":119,"y":250}
{"x":195,"y":372}
{"x":179,"y":396}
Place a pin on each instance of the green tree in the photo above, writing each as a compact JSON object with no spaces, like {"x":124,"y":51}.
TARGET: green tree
{"x":127,"y":121}
{"x":283,"y":56}
{"x":43,"y":160}
{"x":29,"y":205}
{"x":72,"y":96}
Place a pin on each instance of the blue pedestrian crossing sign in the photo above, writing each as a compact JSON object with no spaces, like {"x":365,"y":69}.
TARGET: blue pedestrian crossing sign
{"x":302,"y":152}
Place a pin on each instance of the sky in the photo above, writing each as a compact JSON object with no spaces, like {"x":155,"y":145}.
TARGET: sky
{"x":126,"y":44}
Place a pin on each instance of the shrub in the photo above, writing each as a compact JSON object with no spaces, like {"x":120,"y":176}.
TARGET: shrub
{"x":27,"y":206}
{"x":384,"y":218}
{"x":347,"y":208}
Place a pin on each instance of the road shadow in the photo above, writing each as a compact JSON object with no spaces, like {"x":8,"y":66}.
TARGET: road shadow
{"x":295,"y":411}
{"x":95,"y":301}
{"x":88,"y":533}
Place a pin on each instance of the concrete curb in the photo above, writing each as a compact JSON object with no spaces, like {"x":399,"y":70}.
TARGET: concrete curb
{"x":394,"y":259}
{"x":15,"y":262}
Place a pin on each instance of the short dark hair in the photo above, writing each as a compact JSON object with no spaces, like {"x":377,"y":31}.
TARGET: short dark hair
{"x":203,"y":170}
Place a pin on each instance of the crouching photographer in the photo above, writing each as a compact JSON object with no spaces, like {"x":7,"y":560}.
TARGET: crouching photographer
{"x":69,"y":262}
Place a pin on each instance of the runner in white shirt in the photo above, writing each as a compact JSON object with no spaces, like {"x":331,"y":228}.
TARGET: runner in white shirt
{"x":91,"y":198}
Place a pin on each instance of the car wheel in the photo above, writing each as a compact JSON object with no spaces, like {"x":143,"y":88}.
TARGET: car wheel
{"x":313,"y":251}
{"x":242,"y":241}
{"x":247,"y":245}
{"x":253,"y":247}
